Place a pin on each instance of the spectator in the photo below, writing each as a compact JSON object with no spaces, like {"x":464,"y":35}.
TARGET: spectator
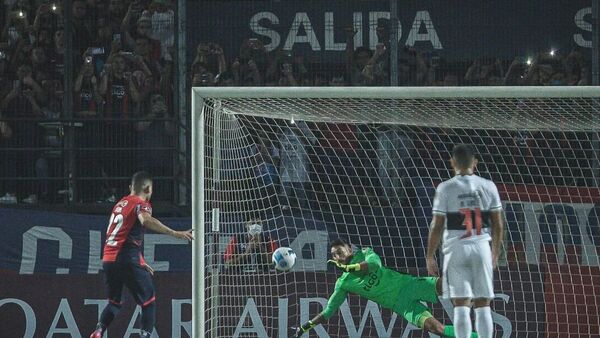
{"x":46,"y":18}
{"x":267,"y":176}
{"x":374,"y":71}
{"x":57,"y":55}
{"x":45,"y":39}
{"x":82,"y":32}
{"x":16,"y":27}
{"x":102,"y":44}
{"x":39,"y":61}
{"x":87,"y":97}
{"x":155,"y":140}
{"x":143,"y":60}
{"x":295,"y":163}
{"x":356,"y":60}
{"x":250,"y":251}
{"x":116,"y":11}
{"x":246,"y":73}
{"x":116,"y":87}
{"x":21,"y":105}
{"x":142,"y":29}
{"x":87,"y":103}
{"x":8,"y":166}
{"x":211,"y":56}
{"x":203,"y":77}
{"x":163,"y":25}
{"x":5,"y":83}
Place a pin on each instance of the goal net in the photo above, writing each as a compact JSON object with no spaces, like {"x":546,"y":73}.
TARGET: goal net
{"x":310,"y":165}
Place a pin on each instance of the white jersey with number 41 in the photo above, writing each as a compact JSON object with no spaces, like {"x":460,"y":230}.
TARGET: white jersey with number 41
{"x":466,"y":202}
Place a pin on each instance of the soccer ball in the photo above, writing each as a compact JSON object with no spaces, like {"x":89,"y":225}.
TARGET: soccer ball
{"x":284,"y":259}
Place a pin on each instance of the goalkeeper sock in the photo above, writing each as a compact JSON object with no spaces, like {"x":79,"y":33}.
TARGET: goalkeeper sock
{"x":483,"y":322}
{"x":449,"y":332}
{"x":462,"y":321}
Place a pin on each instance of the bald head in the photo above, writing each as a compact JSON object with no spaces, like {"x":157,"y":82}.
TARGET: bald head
{"x":141,"y":182}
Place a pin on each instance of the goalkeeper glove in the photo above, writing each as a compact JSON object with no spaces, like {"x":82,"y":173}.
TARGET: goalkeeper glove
{"x":299,"y":331}
{"x":344,"y":267}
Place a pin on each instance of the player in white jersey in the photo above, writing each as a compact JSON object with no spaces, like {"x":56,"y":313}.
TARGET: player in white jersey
{"x":468,"y":213}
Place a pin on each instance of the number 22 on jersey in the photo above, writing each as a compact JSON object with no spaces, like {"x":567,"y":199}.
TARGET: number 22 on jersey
{"x":470,"y":216}
{"x":114,"y":225}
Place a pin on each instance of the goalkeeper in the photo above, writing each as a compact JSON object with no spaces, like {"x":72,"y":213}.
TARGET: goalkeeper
{"x":364,"y":275}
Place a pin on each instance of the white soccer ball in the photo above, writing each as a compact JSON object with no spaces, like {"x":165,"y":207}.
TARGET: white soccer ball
{"x":284,"y":259}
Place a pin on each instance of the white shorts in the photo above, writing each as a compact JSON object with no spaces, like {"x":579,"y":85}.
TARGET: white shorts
{"x":468,"y":271}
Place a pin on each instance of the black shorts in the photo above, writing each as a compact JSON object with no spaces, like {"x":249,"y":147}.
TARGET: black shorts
{"x":128,"y":271}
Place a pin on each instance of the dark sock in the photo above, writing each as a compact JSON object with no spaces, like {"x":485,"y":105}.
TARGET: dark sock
{"x":148,"y":317}
{"x":108,"y":314}
{"x":100,"y":327}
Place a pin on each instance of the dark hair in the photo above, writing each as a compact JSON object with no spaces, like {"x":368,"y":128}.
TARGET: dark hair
{"x":464,"y":155}
{"x":139,"y":180}
{"x":338,"y":242}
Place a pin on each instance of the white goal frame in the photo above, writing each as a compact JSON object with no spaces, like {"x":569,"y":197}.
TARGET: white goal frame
{"x":198,"y":136}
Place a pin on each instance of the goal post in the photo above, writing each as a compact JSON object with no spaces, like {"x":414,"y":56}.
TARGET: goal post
{"x":312,"y":164}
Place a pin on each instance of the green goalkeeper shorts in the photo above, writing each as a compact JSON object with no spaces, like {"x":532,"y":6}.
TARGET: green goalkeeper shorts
{"x":416,"y":290}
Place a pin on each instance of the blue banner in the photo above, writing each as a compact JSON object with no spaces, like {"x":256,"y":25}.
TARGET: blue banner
{"x":51,"y":242}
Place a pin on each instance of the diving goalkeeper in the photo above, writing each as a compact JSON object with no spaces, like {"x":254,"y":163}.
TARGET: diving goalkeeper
{"x":364,"y":275}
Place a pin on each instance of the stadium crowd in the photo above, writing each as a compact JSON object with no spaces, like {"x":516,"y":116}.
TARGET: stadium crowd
{"x":122,"y":93}
{"x":123,"y":57}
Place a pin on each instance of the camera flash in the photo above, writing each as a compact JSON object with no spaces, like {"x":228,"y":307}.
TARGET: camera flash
{"x":528,"y":62}
{"x":552,"y":52}
{"x":21,"y":14}
{"x":53,"y":7}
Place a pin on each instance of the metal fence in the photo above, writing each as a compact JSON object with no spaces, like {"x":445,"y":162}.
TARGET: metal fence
{"x":130,"y":65}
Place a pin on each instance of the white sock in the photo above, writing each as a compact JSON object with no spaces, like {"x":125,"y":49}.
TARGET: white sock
{"x":462,"y":321}
{"x":483,"y":322}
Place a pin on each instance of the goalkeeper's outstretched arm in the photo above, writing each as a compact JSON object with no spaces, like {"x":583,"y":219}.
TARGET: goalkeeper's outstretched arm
{"x":299,"y":331}
{"x":333,"y":304}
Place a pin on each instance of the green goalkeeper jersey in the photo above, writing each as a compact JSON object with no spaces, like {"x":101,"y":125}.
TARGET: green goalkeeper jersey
{"x":380,"y":284}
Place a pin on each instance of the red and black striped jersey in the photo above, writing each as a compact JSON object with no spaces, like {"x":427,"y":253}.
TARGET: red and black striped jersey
{"x":124,"y":227}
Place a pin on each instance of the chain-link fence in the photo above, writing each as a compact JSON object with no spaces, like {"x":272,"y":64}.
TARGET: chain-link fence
{"x":87,"y":99}
{"x":93,"y":90}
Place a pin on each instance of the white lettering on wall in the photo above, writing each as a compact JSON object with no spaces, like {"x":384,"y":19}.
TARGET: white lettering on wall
{"x":273,"y":36}
{"x":178,"y":324}
{"x":30,"y":320}
{"x":257,"y":324}
{"x":320,"y":241}
{"x":95,"y":250}
{"x":423,"y":18}
{"x":584,"y":25}
{"x":302,"y":20}
{"x":301,"y":30}
{"x":30,"y":243}
{"x":150,"y":243}
{"x":64,"y":311}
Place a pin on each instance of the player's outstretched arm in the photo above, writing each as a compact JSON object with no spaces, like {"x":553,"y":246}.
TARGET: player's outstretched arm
{"x":302,"y":329}
{"x":157,"y":226}
{"x":333,"y":304}
{"x":362,"y":266}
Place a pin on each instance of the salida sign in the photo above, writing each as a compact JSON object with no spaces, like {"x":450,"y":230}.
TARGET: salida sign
{"x":469,"y":30}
